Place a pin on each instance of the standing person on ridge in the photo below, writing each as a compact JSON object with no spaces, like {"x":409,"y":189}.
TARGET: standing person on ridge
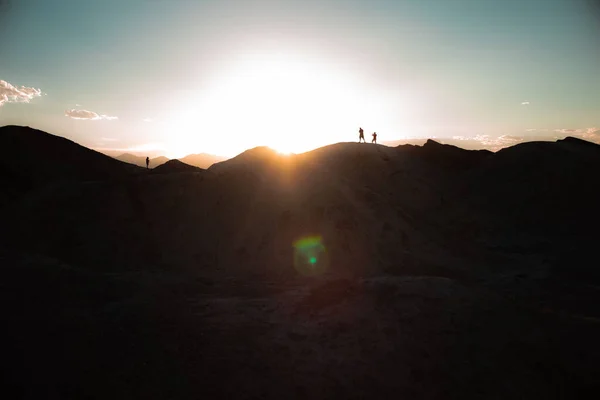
{"x":361,"y":135}
{"x":147,"y":162}
{"x":374,"y":138}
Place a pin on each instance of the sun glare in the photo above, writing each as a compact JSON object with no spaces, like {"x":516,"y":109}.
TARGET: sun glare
{"x":287,"y":103}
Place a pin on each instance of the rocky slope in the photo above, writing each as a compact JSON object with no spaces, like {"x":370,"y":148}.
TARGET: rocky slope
{"x":351,"y":271}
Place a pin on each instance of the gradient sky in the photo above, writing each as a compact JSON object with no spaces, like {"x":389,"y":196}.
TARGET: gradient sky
{"x":223,"y":76}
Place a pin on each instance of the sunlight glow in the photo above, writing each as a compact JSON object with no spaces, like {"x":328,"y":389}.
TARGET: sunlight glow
{"x":290,"y":104}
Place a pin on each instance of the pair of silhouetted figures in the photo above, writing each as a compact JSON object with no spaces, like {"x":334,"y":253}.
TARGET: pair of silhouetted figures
{"x":361,"y":135}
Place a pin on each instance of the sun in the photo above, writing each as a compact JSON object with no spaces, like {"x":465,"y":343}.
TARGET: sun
{"x":284,"y":152}
{"x":290,"y":104}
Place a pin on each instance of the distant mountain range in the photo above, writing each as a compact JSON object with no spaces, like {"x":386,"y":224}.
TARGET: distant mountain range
{"x":201,"y":160}
{"x":141,"y":161}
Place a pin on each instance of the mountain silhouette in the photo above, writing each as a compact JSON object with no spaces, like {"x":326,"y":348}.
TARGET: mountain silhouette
{"x":452,"y":157}
{"x":34,"y":158}
{"x":175,"y":166}
{"x":202,"y":160}
{"x":353,"y":270}
{"x":141,"y":160}
{"x":43,"y":157}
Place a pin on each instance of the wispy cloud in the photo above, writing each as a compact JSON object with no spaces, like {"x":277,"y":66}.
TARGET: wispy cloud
{"x":17,"y":94}
{"x":87,"y":115}
{"x":491,"y":140}
{"x":568,"y":131}
{"x":109,"y":139}
{"x":492,"y":143}
{"x":525,"y":103}
{"x":580,"y":131}
{"x":147,"y":120}
{"x":591,"y":134}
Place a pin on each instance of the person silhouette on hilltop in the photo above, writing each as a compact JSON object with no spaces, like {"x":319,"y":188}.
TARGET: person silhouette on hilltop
{"x":361,"y":135}
{"x":374,"y":138}
{"x":147,"y":162}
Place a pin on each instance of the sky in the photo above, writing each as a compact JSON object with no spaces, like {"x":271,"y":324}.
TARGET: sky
{"x":177,"y":77}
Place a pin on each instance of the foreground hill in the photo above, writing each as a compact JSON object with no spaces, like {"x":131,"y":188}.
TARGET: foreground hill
{"x":40,"y":157}
{"x":32,"y":159}
{"x":351,"y":271}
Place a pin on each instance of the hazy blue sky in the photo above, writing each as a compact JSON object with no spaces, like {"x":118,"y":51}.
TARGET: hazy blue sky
{"x":222,"y":76}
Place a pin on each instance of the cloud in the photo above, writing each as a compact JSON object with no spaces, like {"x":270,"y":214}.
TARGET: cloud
{"x":580,"y":131}
{"x":109,"y":139}
{"x":147,"y":120}
{"x":14,"y":94}
{"x":510,"y":138}
{"x":525,"y":103}
{"x":88,"y":115}
{"x":568,"y":131}
{"x":499,"y":142}
{"x":531,"y":130}
{"x":591,"y":134}
{"x":493,"y":143}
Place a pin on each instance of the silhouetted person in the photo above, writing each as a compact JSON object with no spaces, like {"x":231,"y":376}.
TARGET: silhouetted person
{"x":361,"y":135}
{"x":374,"y":137}
{"x":147,"y":162}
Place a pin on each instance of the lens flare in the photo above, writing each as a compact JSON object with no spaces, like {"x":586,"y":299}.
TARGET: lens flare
{"x":310,"y":256}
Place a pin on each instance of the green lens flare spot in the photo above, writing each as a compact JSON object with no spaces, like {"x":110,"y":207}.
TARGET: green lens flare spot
{"x":308,"y":242}
{"x":310,"y":256}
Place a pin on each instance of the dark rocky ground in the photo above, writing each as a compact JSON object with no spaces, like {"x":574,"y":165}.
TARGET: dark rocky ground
{"x":449,"y":274}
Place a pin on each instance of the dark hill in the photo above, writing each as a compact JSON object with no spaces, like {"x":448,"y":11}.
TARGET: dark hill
{"x":579,"y":142}
{"x":449,"y":156}
{"x":32,"y":158}
{"x":38,"y":157}
{"x":549,"y":187}
{"x":257,"y":157}
{"x":175,"y":166}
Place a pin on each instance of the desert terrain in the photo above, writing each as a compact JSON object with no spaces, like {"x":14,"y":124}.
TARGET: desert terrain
{"x":351,"y":271}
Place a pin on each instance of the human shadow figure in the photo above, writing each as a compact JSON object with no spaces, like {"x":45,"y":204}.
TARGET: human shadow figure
{"x":147,"y":162}
{"x":361,"y":135}
{"x":374,"y":138}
